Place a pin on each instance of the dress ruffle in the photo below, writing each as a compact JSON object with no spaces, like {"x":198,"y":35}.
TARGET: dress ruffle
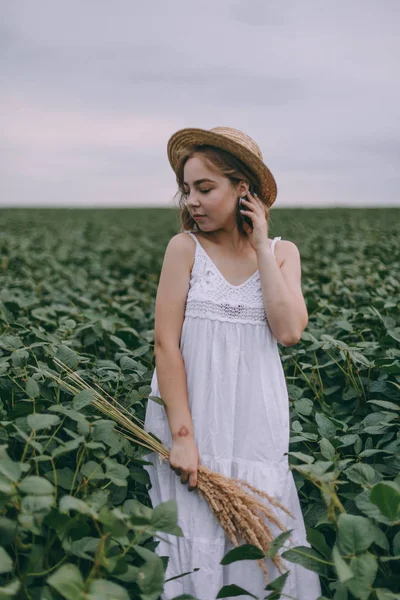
{"x":205,"y":543}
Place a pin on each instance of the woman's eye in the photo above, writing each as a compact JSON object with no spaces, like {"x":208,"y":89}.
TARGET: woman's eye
{"x":201,"y":191}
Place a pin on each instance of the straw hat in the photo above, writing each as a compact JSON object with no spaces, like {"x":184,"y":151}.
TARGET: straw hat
{"x":232,"y":140}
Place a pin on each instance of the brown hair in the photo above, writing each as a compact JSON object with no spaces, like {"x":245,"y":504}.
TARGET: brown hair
{"x":227,"y":165}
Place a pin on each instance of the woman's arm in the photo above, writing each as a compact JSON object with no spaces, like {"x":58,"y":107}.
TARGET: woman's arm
{"x":284,"y":303}
{"x":172,"y":384}
{"x":171,"y":298}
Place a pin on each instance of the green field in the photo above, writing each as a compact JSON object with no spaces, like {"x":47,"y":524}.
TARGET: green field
{"x":76,"y":520}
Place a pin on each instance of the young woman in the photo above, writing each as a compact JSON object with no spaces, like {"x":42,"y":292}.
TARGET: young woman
{"x":227,"y":295}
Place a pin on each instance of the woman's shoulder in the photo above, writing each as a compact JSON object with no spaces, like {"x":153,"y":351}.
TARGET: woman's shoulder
{"x":284,"y":249}
{"x":181,"y":240}
{"x":183,"y":243}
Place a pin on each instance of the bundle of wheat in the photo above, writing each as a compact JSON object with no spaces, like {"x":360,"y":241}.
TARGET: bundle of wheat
{"x":239,"y":512}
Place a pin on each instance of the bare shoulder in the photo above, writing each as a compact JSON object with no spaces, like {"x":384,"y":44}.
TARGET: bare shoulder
{"x":286,"y":250}
{"x":172,"y":291}
{"x":182,"y":245}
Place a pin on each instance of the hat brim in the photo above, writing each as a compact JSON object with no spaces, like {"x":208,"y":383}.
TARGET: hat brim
{"x":189,"y":137}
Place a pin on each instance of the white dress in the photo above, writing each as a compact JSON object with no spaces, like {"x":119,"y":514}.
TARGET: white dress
{"x":239,"y":405}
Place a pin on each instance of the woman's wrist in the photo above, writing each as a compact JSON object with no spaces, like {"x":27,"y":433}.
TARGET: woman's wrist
{"x":182,"y":434}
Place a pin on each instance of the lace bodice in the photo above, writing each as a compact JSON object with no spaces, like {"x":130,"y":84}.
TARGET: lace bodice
{"x":211,"y":296}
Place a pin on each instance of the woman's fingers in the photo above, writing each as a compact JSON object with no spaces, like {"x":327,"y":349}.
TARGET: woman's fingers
{"x":175,"y":469}
{"x":189,"y":477}
{"x":186,"y":477}
{"x":192,"y":482}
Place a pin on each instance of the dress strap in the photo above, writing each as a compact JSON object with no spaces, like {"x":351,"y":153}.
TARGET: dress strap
{"x":192,"y":235}
{"x":273,"y":244}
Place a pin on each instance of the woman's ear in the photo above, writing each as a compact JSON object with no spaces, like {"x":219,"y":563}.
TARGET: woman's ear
{"x":243,"y":188}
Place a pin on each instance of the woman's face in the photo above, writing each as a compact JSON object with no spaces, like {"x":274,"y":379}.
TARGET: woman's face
{"x":211,"y":194}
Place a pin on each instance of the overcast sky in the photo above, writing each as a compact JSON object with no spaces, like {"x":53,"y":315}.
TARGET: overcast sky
{"x":91,"y":91}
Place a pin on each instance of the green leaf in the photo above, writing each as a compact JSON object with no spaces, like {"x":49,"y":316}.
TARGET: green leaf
{"x":68,"y":582}
{"x":67,"y":356}
{"x":386,"y":496}
{"x":278,"y":584}
{"x":10,"y":342}
{"x":325,"y":426}
{"x":278,"y":543}
{"x":389,"y":558}
{"x":6,"y":563}
{"x":327,"y":450}
{"x":371,"y":451}
{"x":98,"y":499}
{"x":348,"y":440}
{"x":37,"y":504}
{"x":92,"y":470}
{"x":64,"y":477}
{"x":317,"y":540}
{"x":6,"y":487}
{"x":297,"y":427}
{"x":303,"y":457}
{"x":32,"y":387}
{"x":385,"y":404}
{"x":304,"y":406}
{"x":318,"y":470}
{"x":308,"y":558}
{"x":165,"y":517}
{"x":68,"y":503}
{"x":8,"y":530}
{"x":228,"y":591}
{"x":10,"y":590}
{"x":364,"y":567}
{"x":19,"y":358}
{"x":361,"y":473}
{"x":128,"y":364}
{"x":139,"y":513}
{"x":84,"y":398}
{"x":243,"y":552}
{"x":9,"y":468}
{"x":384,"y":594}
{"x":36,"y":485}
{"x":103,"y":431}
{"x":157,"y":400}
{"x":140,"y":475}
{"x":116,"y":472}
{"x":83,"y":547}
{"x":67,"y":446}
{"x":355,"y":533}
{"x":38,"y":421}
{"x":151,"y":574}
{"x":396,"y":543}
{"x":364,"y":504}
{"x":68,"y":412}
{"x":101,"y":589}
{"x":113,"y":521}
{"x":343,"y":570}
{"x":380,"y":538}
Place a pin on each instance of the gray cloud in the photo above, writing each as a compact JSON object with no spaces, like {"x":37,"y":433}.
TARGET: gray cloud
{"x":90,"y":96}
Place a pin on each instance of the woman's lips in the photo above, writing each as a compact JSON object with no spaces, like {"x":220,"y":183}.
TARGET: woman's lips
{"x":199,"y":217}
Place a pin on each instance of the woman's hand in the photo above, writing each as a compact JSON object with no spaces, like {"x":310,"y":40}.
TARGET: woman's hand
{"x":184,"y":459}
{"x":254,"y":209}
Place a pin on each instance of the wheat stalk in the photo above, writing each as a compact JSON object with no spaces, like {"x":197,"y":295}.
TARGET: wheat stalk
{"x":239,"y":513}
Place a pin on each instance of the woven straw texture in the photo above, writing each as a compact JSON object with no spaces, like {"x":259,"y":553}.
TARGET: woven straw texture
{"x":232,"y":140}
